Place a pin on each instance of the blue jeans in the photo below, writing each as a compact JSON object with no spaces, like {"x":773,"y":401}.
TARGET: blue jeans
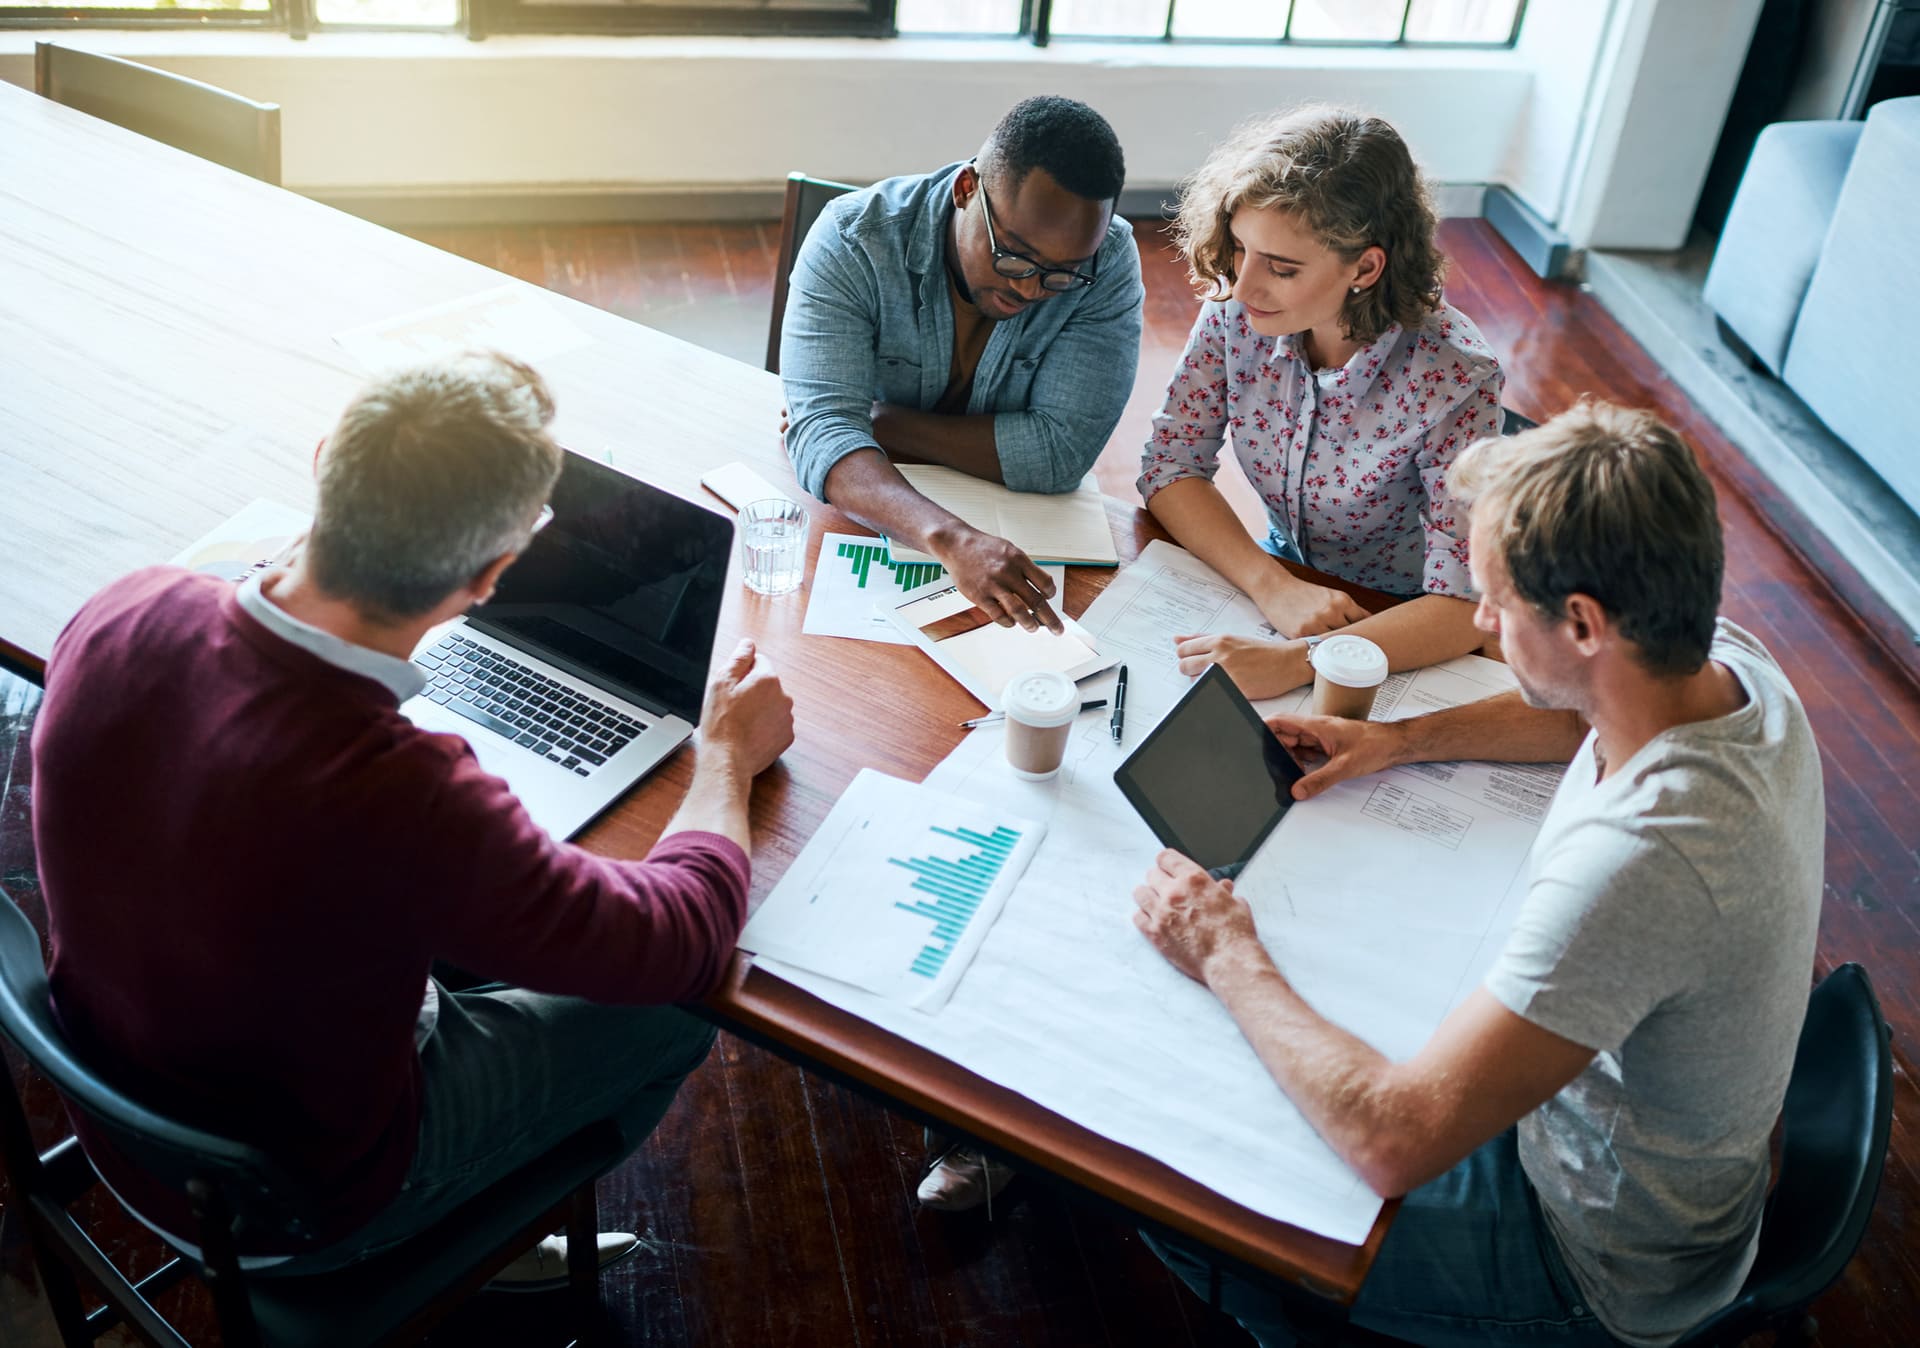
{"x":1278,"y":544}
{"x":1468,"y":1261}
{"x":509,"y":1074}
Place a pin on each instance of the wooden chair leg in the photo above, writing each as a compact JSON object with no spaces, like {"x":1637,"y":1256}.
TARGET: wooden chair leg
{"x":583,"y":1262}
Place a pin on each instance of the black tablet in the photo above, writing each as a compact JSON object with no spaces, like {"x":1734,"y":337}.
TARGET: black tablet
{"x":1211,"y":780}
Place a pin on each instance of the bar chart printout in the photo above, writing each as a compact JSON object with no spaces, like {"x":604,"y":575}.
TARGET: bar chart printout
{"x":863,"y":556}
{"x":896,"y":891}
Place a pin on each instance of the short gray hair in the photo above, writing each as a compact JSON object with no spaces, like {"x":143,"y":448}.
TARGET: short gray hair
{"x":432,"y":473}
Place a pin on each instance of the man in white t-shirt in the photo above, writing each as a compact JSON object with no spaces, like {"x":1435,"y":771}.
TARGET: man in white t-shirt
{"x":1583,"y":1144}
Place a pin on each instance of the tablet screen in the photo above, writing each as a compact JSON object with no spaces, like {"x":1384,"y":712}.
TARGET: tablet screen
{"x":1211,"y":780}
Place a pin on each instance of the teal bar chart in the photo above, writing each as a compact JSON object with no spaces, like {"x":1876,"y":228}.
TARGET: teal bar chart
{"x":896,"y":891}
{"x":954,"y":890}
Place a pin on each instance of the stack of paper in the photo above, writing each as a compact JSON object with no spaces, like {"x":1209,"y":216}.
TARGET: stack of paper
{"x":978,"y":652}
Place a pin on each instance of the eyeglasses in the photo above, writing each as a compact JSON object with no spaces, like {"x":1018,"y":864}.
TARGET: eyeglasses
{"x":1018,"y":266}
{"x":545,"y":518}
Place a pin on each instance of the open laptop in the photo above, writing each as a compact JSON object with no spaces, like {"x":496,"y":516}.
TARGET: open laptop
{"x":588,"y":665}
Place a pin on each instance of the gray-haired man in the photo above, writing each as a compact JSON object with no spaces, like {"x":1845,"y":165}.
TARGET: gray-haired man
{"x":302,"y":854}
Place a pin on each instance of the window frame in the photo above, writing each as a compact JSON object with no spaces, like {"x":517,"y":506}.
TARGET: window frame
{"x":276,"y":17}
{"x":1037,"y":24}
{"x":874,"y":19}
{"x":486,"y":17}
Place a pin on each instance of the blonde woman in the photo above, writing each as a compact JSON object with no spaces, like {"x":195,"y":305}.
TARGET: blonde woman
{"x":1345,"y":383}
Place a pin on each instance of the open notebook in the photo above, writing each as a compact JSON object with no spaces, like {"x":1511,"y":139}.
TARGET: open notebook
{"x":1069,"y":528}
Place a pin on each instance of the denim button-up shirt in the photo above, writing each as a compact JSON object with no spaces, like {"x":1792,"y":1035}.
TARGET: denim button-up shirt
{"x":1352,"y":463}
{"x":869,"y":320}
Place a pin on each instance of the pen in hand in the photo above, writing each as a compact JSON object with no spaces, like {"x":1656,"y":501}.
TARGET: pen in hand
{"x":1118,"y":721}
{"x":993,"y":717}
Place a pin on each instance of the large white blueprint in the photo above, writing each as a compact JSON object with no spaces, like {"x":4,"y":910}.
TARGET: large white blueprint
{"x":1382,"y":900}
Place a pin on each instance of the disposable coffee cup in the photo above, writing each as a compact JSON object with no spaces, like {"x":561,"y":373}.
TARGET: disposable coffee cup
{"x":1347,"y":673}
{"x":1040,"y":709}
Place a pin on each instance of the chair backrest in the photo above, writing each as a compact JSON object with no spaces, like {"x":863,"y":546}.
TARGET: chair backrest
{"x":265,"y":1202}
{"x":1838,"y":1115}
{"x":186,"y":114}
{"x":806,"y":198}
{"x":1512,"y":423}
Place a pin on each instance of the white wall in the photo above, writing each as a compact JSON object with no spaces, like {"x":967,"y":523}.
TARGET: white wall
{"x":427,"y":113}
{"x":1603,"y":117}
{"x":1663,"y":96}
{"x":1562,"y":43}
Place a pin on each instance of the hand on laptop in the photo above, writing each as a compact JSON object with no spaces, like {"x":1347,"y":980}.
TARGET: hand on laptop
{"x":997,"y":576}
{"x":748,"y":715}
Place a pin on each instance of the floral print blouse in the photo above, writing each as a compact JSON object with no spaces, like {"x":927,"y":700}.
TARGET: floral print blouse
{"x":1352,"y":462}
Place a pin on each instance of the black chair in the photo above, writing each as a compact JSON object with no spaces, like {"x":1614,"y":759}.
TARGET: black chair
{"x":1838,"y":1113}
{"x":1837,"y":1116}
{"x":238,"y":1193}
{"x":806,"y":198}
{"x":1512,"y":423}
{"x":224,"y":127}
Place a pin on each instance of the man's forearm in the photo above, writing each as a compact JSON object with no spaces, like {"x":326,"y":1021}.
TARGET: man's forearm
{"x":963,"y":442}
{"x":1338,"y":1082}
{"x":716,"y":801}
{"x":866,"y":486}
{"x":1503,"y":728}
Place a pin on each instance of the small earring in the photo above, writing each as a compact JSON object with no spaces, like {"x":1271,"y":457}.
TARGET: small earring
{"x":1354,"y":290}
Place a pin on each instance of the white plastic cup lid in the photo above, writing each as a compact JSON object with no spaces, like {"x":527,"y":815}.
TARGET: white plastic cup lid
{"x":1352,"y":662}
{"x":1041,"y":699}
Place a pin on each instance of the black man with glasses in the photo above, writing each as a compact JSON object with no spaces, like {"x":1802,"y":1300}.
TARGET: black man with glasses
{"x":985,"y":317}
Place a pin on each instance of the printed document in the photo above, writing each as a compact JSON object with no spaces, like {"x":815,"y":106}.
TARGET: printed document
{"x":896,"y":891}
{"x":857,"y":578}
{"x":1384,"y":901}
{"x":982,"y":655}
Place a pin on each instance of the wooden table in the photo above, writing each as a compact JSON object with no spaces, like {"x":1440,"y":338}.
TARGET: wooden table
{"x":166,"y":336}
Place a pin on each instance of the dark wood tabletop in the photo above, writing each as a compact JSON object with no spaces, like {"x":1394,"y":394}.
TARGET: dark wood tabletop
{"x":167,"y":331}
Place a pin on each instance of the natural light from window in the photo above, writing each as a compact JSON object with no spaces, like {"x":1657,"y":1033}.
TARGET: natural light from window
{"x":1488,"y":21}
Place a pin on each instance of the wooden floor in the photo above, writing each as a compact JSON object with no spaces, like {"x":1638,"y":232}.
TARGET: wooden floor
{"x":813,"y":1185}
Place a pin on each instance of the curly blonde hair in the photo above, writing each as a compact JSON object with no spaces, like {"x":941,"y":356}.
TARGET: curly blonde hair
{"x":1350,"y":178}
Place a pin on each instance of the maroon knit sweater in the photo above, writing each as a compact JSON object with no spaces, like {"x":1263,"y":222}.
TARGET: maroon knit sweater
{"x":251,"y":859}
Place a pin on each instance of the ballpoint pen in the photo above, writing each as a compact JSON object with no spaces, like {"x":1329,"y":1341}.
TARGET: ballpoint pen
{"x":993,"y":716}
{"x":1118,"y":721}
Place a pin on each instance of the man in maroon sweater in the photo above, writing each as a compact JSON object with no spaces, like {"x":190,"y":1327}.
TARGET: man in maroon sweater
{"x":251,"y":860}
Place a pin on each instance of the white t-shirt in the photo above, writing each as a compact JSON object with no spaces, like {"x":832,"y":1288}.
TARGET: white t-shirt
{"x":1669,"y":924}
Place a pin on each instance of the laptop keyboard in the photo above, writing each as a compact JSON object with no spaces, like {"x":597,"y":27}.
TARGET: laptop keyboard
{"x":542,"y":715}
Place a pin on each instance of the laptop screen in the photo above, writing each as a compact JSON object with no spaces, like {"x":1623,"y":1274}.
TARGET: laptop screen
{"x":623,"y":588}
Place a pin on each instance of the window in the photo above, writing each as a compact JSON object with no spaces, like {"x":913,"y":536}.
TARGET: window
{"x":127,"y":13}
{"x":849,"y":18}
{"x":1353,"y":22}
{"x":1349,"y":22}
{"x":390,"y":14}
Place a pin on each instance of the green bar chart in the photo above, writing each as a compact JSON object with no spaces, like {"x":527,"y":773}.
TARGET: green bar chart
{"x":863,"y":558}
{"x":953,"y":890}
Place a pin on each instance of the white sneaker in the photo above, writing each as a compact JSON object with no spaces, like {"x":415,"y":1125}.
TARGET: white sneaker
{"x":544,"y":1267}
{"x":961,"y":1179}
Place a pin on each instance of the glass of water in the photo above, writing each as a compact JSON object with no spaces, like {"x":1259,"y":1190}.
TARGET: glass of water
{"x":773,"y":545}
